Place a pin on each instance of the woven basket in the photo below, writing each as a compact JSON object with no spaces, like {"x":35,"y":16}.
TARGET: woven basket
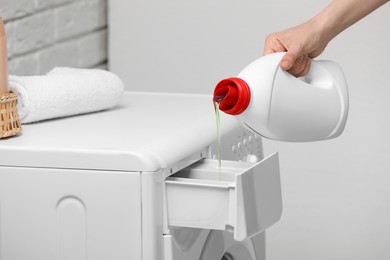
{"x":9,"y":118}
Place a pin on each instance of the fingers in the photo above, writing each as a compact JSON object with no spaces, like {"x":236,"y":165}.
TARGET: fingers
{"x":285,"y":64}
{"x":290,"y":61}
{"x":272,"y":45}
{"x":297,"y":66}
{"x":295,"y":61}
{"x":306,"y":68}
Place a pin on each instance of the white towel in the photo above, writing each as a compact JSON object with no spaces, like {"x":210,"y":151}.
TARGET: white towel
{"x":65,"y":92}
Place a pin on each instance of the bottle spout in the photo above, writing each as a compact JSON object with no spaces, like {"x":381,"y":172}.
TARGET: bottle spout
{"x":233,"y":95}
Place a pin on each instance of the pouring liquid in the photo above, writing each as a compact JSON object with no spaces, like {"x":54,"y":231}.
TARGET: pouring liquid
{"x":217,"y":116}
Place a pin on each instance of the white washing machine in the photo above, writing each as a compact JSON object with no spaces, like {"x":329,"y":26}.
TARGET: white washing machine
{"x":137,"y":182}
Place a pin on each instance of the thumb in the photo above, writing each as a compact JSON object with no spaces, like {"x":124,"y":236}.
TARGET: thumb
{"x":288,"y":60}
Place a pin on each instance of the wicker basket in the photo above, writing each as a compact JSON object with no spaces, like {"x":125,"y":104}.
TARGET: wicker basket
{"x":9,"y":118}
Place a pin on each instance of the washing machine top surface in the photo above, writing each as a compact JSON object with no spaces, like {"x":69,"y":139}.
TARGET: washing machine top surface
{"x":144,"y":132}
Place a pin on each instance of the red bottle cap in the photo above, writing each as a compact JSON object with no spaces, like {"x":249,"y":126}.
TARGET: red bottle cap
{"x":233,"y":95}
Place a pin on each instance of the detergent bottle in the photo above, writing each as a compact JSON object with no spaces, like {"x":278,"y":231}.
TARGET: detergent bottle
{"x":274,"y":104}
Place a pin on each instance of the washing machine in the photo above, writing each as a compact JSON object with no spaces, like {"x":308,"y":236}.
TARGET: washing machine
{"x":139,"y":181}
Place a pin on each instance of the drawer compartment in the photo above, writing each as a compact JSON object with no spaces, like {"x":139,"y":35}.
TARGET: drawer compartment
{"x":245,"y":200}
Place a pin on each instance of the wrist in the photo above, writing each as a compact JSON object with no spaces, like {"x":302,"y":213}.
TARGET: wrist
{"x":332,"y":20}
{"x":321,"y":30}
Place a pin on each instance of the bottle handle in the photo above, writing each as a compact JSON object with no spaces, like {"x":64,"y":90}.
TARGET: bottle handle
{"x":318,"y":76}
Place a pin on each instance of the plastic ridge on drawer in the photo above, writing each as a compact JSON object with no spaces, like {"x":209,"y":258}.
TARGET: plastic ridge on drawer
{"x":195,"y":182}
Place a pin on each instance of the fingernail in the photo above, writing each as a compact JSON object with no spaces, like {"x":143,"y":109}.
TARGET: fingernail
{"x":285,"y":64}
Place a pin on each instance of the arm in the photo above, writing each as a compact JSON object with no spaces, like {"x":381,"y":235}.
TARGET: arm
{"x":309,"y":39}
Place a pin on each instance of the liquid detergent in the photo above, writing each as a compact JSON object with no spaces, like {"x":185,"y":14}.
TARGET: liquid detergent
{"x":217,"y":117}
{"x":276,"y":105}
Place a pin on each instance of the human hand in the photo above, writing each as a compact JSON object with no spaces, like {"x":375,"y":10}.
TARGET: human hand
{"x":301,"y":44}
{"x":308,"y":40}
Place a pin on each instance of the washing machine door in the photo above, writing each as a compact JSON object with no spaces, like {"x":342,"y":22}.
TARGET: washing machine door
{"x":220,"y":245}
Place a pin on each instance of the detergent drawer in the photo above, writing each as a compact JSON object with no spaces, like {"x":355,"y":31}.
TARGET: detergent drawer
{"x":246,"y":199}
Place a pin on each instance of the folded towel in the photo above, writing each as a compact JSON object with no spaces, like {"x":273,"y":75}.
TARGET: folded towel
{"x":65,"y":92}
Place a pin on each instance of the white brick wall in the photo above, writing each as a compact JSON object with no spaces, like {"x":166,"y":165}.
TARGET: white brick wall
{"x":42,"y":34}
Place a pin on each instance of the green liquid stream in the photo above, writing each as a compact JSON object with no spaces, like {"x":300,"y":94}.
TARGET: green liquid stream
{"x":217,"y":116}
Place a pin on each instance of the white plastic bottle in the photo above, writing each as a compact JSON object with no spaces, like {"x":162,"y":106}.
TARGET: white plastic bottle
{"x":273,"y":103}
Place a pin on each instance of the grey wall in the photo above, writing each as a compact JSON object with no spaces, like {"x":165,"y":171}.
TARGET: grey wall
{"x":43,"y":34}
{"x":336,"y":193}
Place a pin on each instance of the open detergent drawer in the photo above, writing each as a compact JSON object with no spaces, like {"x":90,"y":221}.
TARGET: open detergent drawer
{"x":246,"y":199}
